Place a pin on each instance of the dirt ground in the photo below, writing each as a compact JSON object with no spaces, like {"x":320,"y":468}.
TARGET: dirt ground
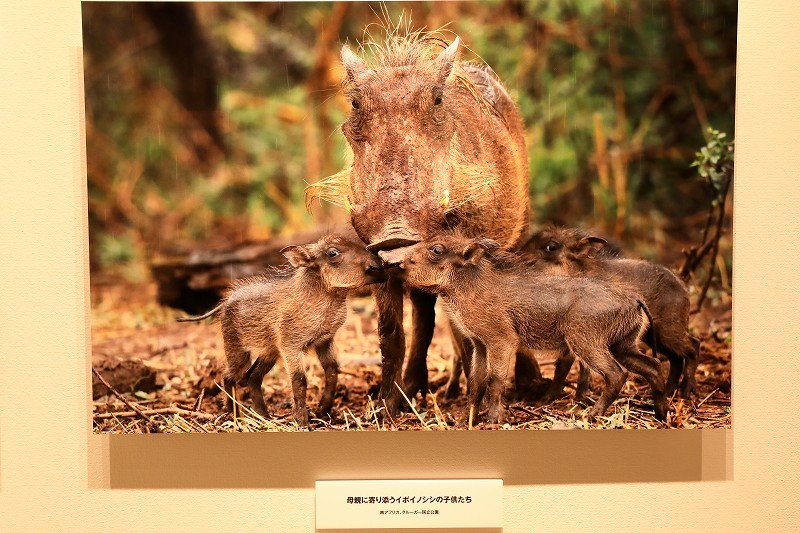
{"x":176,"y":369}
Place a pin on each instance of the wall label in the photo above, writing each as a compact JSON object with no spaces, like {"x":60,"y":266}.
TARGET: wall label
{"x":406,"y":503}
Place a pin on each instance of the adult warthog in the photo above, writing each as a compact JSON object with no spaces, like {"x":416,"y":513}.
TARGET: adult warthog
{"x":434,"y":143}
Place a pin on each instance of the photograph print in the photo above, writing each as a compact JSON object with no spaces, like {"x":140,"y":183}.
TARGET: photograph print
{"x":405,"y":216}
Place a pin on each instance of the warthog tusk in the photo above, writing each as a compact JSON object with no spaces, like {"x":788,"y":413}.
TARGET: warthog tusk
{"x":347,"y":204}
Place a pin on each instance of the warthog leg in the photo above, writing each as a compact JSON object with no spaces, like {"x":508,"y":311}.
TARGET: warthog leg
{"x":689,"y":383}
{"x":601,"y":361}
{"x":526,"y":367}
{"x":462,"y":352}
{"x":556,"y":387}
{"x":478,"y":379}
{"x":255,"y":376}
{"x":389,"y":301}
{"x":526,"y":370}
{"x":326,"y":352}
{"x":650,"y":369}
{"x":423,"y":320}
{"x":500,"y":357}
{"x":294,"y":364}
{"x":583,"y":382}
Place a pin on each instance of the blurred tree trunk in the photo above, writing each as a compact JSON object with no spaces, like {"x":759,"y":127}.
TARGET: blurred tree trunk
{"x":321,"y":86}
{"x":184,"y":46}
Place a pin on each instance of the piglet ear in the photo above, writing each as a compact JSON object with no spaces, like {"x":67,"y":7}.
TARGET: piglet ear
{"x":476,"y":249}
{"x":489,"y":244}
{"x":298,"y":256}
{"x":591,"y":245}
{"x":473,"y":253}
{"x":446,"y":60}
{"x":353,"y":65}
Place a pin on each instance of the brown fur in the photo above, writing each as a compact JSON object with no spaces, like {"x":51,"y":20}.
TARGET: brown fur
{"x":286,"y":312}
{"x":499,"y":302}
{"x":408,"y":150}
{"x":570,"y":251}
{"x":433,"y":143}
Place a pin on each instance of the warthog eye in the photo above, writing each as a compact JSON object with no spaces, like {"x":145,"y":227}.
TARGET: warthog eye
{"x":552,"y":246}
{"x":438,"y":95}
{"x":436,"y":252}
{"x":356,"y":104}
{"x":332,"y":252}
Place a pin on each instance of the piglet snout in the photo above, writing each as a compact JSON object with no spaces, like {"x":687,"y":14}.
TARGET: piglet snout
{"x":391,"y":258}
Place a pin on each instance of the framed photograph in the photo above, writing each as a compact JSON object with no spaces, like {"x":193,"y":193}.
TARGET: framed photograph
{"x":83,"y":290}
{"x":412,"y":217}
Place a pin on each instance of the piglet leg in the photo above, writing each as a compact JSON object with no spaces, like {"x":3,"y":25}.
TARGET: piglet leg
{"x":478,"y":380}
{"x":326,"y":351}
{"x":254,"y":377}
{"x":614,"y":375}
{"x":556,"y":387}
{"x":462,"y":351}
{"x":500,"y":357}
{"x":294,"y":364}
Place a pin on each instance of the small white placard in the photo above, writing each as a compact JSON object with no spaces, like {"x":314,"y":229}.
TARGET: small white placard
{"x":406,"y":503}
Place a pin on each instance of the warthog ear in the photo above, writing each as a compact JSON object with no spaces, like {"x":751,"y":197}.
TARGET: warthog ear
{"x":591,"y":245}
{"x":298,"y":256}
{"x":353,"y":64}
{"x":477,"y":248}
{"x":446,"y":60}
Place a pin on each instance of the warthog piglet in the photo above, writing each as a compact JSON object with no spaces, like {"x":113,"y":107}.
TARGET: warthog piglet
{"x":499,"y":302}
{"x":285,"y":312}
{"x":573,"y":252}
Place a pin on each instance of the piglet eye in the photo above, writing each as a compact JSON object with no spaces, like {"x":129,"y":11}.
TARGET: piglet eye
{"x":552,"y":246}
{"x":437,"y":100}
{"x":356,"y":104}
{"x":332,"y":252}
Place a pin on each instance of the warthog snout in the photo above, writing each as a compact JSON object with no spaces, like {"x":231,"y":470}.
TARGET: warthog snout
{"x":375,"y":270}
{"x":394,"y":258}
{"x":394,"y":238}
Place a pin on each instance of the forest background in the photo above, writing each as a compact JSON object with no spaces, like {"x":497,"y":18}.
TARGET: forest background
{"x":205,"y":122}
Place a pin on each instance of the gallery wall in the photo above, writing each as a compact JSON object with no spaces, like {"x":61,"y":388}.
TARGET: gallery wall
{"x":52,"y":471}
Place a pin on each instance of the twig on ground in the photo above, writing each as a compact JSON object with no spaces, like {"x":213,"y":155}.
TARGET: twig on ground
{"x":199,"y":400}
{"x":163,"y":410}
{"x":526,"y":409}
{"x":707,"y":397}
{"x":111,"y":403}
{"x":197,"y":424}
{"x":357,"y":420}
{"x":118,"y":421}
{"x":130,"y":405}
{"x":374,"y":413}
{"x":437,"y":412}
{"x":421,"y":420}
{"x":391,"y":419}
